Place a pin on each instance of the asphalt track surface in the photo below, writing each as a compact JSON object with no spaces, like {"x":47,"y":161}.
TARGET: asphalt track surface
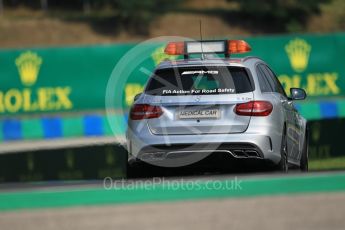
{"x":265,"y":201}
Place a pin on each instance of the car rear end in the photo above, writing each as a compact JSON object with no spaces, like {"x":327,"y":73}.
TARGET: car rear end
{"x":191,"y":110}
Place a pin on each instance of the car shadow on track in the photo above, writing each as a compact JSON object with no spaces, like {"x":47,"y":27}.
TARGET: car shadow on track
{"x":209,"y":166}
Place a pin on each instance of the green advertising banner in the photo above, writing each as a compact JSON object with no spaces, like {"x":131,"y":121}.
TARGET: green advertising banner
{"x":56,"y":79}
{"x":43,"y":80}
{"x":312,"y":62}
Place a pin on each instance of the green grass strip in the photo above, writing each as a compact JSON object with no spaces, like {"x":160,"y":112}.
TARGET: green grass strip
{"x":178,"y":190}
{"x":334,"y":163}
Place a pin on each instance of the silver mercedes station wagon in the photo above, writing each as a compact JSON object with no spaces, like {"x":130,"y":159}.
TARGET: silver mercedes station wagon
{"x":199,"y":106}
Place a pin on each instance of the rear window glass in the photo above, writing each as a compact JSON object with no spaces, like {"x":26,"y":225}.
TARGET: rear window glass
{"x":199,"y":81}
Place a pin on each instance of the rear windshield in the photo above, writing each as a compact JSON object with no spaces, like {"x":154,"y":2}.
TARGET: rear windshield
{"x":199,"y":81}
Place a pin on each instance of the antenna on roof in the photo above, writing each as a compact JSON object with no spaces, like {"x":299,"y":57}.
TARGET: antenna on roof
{"x":202,"y":51}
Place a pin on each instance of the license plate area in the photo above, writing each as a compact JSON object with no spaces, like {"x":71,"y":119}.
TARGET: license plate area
{"x":198,"y":113}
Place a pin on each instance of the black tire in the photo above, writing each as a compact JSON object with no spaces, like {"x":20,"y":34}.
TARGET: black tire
{"x":141,"y":169}
{"x":305,"y":156}
{"x":135,"y":170}
{"x":130,"y":171}
{"x":283,"y":164}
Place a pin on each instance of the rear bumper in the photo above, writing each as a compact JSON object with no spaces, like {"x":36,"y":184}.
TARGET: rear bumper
{"x":242,"y":145}
{"x":236,"y":150}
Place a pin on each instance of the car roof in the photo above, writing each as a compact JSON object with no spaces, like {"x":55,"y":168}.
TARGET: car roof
{"x":206,"y":62}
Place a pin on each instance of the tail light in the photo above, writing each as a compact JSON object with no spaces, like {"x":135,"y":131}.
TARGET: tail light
{"x":145,"y":111}
{"x":254,"y":108}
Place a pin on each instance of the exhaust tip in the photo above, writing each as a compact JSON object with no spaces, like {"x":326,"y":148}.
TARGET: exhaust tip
{"x":252,"y":153}
{"x":239,"y":153}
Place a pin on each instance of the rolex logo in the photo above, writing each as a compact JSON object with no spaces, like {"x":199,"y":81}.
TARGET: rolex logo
{"x":28,"y":65}
{"x":298,"y":51}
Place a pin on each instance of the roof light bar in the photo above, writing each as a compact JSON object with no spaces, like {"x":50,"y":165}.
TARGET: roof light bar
{"x":175,"y":48}
{"x":238,"y":46}
{"x":198,"y":47}
{"x":226,"y":47}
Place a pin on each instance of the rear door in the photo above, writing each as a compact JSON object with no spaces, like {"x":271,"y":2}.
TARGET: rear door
{"x":293,"y":125}
{"x":199,"y":100}
{"x":295,"y":130}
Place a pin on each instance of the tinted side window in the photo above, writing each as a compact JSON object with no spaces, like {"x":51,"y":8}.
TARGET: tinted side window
{"x":264,"y":85}
{"x":268,"y":77}
{"x":278,"y":87}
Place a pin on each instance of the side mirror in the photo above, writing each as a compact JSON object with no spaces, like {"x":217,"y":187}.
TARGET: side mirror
{"x":137,"y":96}
{"x":297,"y":94}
